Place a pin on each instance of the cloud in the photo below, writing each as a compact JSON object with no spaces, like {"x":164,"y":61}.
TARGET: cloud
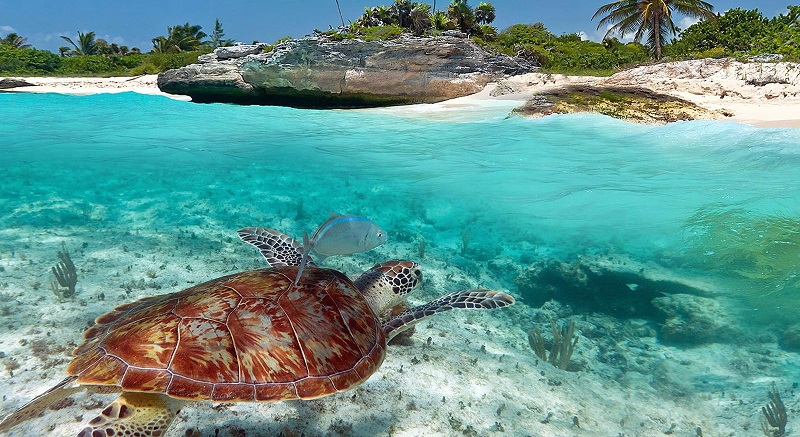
{"x":7,"y":29}
{"x":597,"y":35}
{"x":686,"y":22}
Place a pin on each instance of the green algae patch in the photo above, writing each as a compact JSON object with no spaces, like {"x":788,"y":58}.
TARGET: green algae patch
{"x":764,"y":250}
{"x":637,"y":105}
{"x":760,"y":247}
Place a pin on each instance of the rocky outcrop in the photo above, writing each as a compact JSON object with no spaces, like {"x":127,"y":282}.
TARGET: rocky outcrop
{"x":316,"y":72}
{"x":694,"y":320}
{"x":658,"y":93}
{"x":639,"y":105}
{"x":11,"y":82}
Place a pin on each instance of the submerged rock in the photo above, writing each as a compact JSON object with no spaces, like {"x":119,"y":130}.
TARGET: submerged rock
{"x":316,"y":72}
{"x":611,"y":285}
{"x":693,"y":320}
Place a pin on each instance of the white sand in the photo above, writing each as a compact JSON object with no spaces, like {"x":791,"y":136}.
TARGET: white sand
{"x":81,"y":86}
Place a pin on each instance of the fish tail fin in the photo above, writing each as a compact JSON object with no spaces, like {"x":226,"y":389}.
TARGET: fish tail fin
{"x":304,"y":260}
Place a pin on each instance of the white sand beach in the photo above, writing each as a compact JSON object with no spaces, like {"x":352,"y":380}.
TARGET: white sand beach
{"x":759,"y":94}
{"x":80,"y":86}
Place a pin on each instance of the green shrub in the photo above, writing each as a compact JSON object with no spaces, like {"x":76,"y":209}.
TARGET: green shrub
{"x":27,"y":62}
{"x":91,"y":65}
{"x":716,"y":53}
{"x":567,"y":53}
{"x":486,"y":32}
{"x":146,"y":68}
{"x":382,"y":33}
{"x":740,"y":32}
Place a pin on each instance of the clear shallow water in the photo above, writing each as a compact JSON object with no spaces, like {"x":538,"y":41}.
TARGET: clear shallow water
{"x":717,"y":199}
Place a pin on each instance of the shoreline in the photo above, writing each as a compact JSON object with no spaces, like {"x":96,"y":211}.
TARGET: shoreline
{"x":84,"y":86}
{"x":716,"y":85}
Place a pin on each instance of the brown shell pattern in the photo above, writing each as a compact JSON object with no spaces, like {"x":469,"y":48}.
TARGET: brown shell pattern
{"x":250,"y":336}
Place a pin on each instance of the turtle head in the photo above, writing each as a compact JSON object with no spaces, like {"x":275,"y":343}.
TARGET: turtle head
{"x":387,"y":284}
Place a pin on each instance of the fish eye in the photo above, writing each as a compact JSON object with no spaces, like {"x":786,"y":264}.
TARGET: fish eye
{"x":380,"y":234}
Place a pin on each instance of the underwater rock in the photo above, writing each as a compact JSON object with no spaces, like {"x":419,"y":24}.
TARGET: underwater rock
{"x":638,"y":105}
{"x":615,"y":286}
{"x":694,"y":320}
{"x":790,"y":339}
{"x":317,"y":72}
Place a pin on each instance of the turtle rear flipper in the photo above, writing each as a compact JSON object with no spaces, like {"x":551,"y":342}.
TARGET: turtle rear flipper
{"x":135,"y":414}
{"x":278,"y":248}
{"x":40,"y":403}
{"x":479,"y":299}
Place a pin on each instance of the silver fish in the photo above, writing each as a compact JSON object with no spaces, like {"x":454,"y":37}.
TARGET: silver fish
{"x":341,"y":235}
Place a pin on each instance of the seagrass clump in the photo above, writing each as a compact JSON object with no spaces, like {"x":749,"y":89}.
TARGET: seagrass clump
{"x":564,"y":342}
{"x":65,"y":275}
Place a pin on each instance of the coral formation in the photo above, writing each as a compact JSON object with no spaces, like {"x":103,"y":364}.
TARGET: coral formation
{"x":563,"y":345}
{"x":775,"y":417}
{"x":64,"y":272}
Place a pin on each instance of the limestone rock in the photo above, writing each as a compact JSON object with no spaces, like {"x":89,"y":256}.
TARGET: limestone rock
{"x":319,"y":72}
{"x":693,"y":320}
{"x":13,"y":83}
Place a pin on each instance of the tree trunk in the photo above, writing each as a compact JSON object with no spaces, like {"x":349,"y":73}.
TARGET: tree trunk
{"x":340,"y":12}
{"x":657,"y":36}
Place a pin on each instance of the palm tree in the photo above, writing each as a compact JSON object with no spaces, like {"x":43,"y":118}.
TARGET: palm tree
{"x":460,"y":12}
{"x":401,"y":11}
{"x":420,"y":18}
{"x":181,"y":38}
{"x":87,"y":45}
{"x":650,"y":18}
{"x":484,"y":13}
{"x":15,"y":41}
{"x":162,"y":44}
{"x":340,"y":12}
{"x":441,"y":21}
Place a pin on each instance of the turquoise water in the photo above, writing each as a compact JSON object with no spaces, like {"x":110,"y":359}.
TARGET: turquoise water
{"x":565,"y":185}
{"x":168,"y":182}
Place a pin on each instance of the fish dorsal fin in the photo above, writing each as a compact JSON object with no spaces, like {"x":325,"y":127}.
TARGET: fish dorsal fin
{"x":277,"y":248}
{"x":332,"y":217}
{"x":305,"y":259}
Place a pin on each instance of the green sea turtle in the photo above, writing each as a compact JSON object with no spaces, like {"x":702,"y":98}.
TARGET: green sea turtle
{"x":251,"y":337}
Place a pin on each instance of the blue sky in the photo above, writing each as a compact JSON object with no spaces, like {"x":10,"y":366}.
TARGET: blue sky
{"x":134,"y":23}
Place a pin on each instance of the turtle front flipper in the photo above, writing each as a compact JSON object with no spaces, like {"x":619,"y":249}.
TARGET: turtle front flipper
{"x":479,"y":299}
{"x":135,"y":414}
{"x":40,"y":403}
{"x":279,"y":249}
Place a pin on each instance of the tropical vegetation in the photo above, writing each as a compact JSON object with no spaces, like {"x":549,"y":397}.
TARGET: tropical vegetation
{"x":741,"y":32}
{"x":738,"y":32}
{"x":650,"y":20}
{"x":15,"y":41}
{"x":86,"y":54}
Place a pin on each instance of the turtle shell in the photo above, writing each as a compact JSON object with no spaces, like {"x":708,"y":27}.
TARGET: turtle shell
{"x":250,"y":336}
